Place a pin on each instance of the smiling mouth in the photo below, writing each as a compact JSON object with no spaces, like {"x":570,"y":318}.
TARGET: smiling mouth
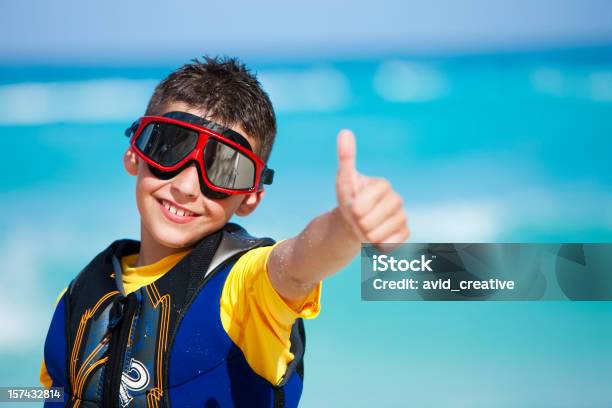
{"x":179,"y":212}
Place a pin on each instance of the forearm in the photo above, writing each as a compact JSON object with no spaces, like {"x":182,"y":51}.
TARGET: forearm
{"x":368,"y":209}
{"x":324,"y":247}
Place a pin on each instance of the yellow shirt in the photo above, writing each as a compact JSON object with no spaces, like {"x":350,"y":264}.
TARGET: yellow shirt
{"x":253,"y":314}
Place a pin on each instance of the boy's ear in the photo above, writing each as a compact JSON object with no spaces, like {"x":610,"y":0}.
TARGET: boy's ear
{"x":250,"y":203}
{"x":130,"y":162}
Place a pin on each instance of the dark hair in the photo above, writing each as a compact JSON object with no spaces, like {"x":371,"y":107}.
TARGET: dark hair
{"x":227,"y":91}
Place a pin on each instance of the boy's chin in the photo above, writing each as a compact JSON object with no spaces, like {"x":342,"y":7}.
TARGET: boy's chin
{"x":177,"y":244}
{"x":173,"y":238}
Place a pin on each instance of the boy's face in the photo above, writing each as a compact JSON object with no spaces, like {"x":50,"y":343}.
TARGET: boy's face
{"x":154,"y":196}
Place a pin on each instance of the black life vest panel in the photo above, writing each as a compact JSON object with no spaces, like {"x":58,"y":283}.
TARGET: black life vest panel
{"x":162,"y":345}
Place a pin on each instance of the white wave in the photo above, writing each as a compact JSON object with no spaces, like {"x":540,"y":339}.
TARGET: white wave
{"x":594,"y":85}
{"x":534,"y":208}
{"x":600,"y":86}
{"x":101,"y":100}
{"x":318,"y":89}
{"x":402,"y":81}
{"x":549,"y":81}
{"x":477,"y":221}
{"x":23,"y":318}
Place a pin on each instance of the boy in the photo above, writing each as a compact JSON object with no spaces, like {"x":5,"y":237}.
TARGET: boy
{"x":199,"y":313}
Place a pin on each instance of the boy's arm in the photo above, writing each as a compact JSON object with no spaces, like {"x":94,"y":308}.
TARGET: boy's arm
{"x":368,"y":210}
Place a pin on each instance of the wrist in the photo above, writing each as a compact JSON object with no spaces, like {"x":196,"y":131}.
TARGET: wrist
{"x":342,"y":225}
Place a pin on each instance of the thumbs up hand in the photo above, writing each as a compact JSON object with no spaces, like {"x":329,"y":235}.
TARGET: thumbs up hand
{"x":368,"y":211}
{"x":369,"y":206}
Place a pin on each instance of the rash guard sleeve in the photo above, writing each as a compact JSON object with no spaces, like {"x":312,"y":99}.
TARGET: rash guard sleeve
{"x":258,"y":319}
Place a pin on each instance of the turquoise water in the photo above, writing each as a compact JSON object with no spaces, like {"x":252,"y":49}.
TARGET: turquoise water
{"x":496,"y":148}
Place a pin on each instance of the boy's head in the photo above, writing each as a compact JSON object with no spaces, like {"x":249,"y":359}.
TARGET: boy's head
{"x":226,"y":91}
{"x":174,"y":211}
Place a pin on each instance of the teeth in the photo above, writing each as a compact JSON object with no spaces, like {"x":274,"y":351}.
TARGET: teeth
{"x":176,"y":211}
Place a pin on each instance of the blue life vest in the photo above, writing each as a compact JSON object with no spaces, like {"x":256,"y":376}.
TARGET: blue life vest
{"x":162,"y":345}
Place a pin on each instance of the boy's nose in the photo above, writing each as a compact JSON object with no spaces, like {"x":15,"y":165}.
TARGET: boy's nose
{"x":187,"y":182}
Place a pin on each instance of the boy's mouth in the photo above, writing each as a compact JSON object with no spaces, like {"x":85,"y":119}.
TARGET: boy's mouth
{"x":176,"y":213}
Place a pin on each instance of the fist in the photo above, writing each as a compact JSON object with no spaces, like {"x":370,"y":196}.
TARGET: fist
{"x":369,"y":206}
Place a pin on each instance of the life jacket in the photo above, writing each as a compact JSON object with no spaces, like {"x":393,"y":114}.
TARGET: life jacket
{"x":162,"y":345}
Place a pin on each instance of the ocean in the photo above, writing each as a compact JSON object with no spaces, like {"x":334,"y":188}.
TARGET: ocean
{"x":511,"y":147}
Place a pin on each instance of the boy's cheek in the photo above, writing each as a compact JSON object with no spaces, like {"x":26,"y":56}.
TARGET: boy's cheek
{"x":143,"y":170}
{"x":222,"y":209}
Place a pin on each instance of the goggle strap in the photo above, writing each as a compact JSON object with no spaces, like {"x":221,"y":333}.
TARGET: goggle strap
{"x":215,"y":127}
{"x":129,"y":132}
{"x":267,"y":176}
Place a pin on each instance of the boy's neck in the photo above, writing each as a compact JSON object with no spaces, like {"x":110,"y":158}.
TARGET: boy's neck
{"x":152,"y":251}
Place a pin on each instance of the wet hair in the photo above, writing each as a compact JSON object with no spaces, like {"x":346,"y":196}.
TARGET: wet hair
{"x":227,"y":91}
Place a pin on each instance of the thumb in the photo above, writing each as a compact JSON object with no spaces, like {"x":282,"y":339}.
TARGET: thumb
{"x":347,"y":177}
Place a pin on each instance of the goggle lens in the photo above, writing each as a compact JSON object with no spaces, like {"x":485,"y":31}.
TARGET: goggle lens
{"x":165,"y":143}
{"x":227,"y":167}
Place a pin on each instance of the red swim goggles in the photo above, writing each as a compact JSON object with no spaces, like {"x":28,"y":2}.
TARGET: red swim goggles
{"x":225,"y":160}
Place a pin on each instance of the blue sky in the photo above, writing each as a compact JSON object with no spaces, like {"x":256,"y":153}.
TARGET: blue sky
{"x":139,"y":31}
